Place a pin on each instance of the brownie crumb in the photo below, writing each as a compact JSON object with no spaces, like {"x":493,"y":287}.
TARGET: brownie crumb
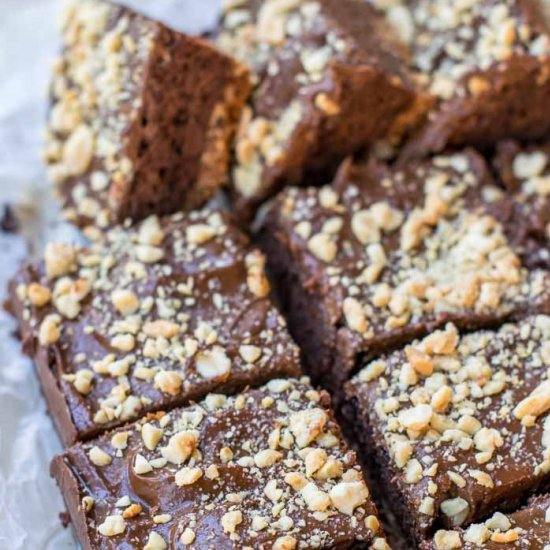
{"x":65,"y":519}
{"x":8,"y":222}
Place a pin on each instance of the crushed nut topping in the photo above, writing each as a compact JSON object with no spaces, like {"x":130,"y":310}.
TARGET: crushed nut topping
{"x":453,"y":43}
{"x":101,"y":131}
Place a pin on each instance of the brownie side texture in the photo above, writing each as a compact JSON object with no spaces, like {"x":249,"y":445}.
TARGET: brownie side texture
{"x":487,"y":65}
{"x":525,"y":173}
{"x":458,"y":423}
{"x":142,"y":117}
{"x":329,"y":80}
{"x":387,"y":255}
{"x":154,"y":317}
{"x":264,"y":469}
{"x":526,"y":528}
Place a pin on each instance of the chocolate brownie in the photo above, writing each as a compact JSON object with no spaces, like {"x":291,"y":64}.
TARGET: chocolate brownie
{"x":527,"y":528}
{"x":265,"y":469}
{"x":458,"y":424}
{"x":525,"y":172}
{"x":152,"y":318}
{"x":486,"y":64}
{"x":388,"y":254}
{"x":329,"y":80}
{"x":142,"y":116}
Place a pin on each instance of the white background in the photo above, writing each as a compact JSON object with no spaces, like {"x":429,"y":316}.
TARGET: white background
{"x":29,"y":501}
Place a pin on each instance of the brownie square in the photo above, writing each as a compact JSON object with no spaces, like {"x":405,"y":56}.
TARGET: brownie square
{"x":265,"y":469}
{"x":154,"y":317}
{"x":329,"y":80}
{"x":526,"y":528}
{"x":142,"y":117}
{"x":457,"y":424}
{"x":387,"y":254}
{"x":486,"y":64}
{"x":525,"y":173}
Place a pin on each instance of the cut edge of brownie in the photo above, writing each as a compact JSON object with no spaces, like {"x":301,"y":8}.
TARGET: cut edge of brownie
{"x":298,"y":305}
{"x":376,"y":461}
{"x":43,"y":363}
{"x":165,"y":144}
{"x":68,"y":486}
{"x":224,"y":109}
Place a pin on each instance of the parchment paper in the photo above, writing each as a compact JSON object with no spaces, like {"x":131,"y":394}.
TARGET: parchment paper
{"x":30,"y":503}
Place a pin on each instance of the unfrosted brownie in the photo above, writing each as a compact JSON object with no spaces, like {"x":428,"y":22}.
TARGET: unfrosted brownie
{"x":527,"y":528}
{"x":329,"y":80}
{"x":266,"y":469}
{"x":142,"y":117}
{"x":486,"y":63}
{"x":389,"y":254}
{"x":525,"y":172}
{"x":157,"y":316}
{"x":458,"y":424}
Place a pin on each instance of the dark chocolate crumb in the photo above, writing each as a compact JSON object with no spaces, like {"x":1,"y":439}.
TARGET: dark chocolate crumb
{"x":8,"y":221}
{"x":65,"y":519}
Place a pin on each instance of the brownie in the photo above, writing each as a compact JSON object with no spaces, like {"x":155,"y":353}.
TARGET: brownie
{"x":329,"y":80}
{"x":265,"y":469}
{"x":156,"y":316}
{"x":526,"y":528}
{"x":388,"y":254}
{"x":525,"y":173}
{"x":457,"y":423}
{"x":486,"y":64}
{"x":142,"y":117}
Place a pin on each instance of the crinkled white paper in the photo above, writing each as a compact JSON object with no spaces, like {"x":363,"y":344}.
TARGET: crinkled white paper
{"x":30,"y":503}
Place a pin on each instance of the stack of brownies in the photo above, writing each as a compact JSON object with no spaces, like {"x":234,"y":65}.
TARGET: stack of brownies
{"x":400,"y":153}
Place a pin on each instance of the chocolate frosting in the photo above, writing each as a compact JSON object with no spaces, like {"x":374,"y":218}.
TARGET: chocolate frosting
{"x":484,"y":90}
